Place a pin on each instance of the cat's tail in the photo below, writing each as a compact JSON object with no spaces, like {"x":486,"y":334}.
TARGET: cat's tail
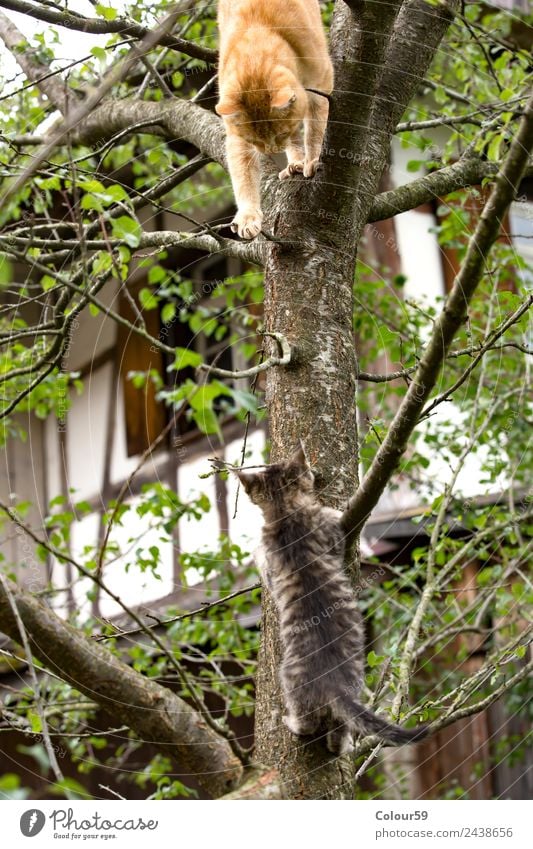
{"x":368,"y":722}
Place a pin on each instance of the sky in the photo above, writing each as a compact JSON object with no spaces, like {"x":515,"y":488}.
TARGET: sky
{"x":72,"y":45}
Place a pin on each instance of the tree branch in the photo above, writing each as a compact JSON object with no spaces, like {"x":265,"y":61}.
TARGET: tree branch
{"x":258,"y":784}
{"x":359,"y":39}
{"x":6,"y":588}
{"x":206,"y":606}
{"x":63,"y":249}
{"x":52,"y":87}
{"x":418,"y":31}
{"x":445,"y":329}
{"x":178,"y":119}
{"x":78,"y":115}
{"x":438,"y":184}
{"x":99,"y":26}
{"x":152,"y":711}
{"x":487,"y":346}
{"x":283,"y":360}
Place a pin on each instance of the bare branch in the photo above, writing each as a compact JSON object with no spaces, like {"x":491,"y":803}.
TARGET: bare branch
{"x":66,"y":248}
{"x":283,"y":360}
{"x":198,"y":611}
{"x":175,"y":120}
{"x":438,"y":184}
{"x":368,"y":377}
{"x":445,"y":329}
{"x":444,"y":121}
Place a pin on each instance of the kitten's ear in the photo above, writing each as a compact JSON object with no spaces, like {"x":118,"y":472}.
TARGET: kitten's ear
{"x":299,"y":458}
{"x":282,"y":98}
{"x":246,"y":478}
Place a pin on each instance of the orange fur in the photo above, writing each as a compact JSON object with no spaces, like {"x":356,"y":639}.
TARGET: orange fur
{"x":271,"y":51}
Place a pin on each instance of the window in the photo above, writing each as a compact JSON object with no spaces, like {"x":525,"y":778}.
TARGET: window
{"x":145,"y":416}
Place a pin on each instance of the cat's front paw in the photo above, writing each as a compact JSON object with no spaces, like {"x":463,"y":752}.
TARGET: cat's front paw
{"x":293,"y":724}
{"x":292,"y":169}
{"x":311,"y":166}
{"x":247,"y":223}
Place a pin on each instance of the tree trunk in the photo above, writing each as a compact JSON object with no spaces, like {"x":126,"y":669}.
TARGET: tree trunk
{"x":308,"y":298}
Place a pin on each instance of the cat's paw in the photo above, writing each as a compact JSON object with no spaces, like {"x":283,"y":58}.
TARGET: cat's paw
{"x":292,"y":169}
{"x":247,"y":223}
{"x":347,"y":746}
{"x":340,"y":743}
{"x":293,"y":724}
{"x":311,"y":166}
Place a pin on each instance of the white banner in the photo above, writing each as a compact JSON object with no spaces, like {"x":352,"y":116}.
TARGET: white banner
{"x":232,"y":825}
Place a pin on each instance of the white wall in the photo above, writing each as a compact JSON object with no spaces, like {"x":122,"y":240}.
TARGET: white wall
{"x":418,"y":245}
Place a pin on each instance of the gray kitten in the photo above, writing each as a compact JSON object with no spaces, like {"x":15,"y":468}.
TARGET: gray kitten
{"x":301,"y":561}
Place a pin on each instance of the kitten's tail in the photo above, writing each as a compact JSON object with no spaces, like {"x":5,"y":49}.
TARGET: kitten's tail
{"x":368,"y":722}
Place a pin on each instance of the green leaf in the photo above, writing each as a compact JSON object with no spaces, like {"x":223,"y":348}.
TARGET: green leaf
{"x":10,"y":787}
{"x":148,"y":299}
{"x":374,"y":659}
{"x":206,"y":420}
{"x":157,"y":274}
{"x":185,"y":358}
{"x":35,"y":722}
{"x":245,"y":400}
{"x":98,"y":53}
{"x":167,"y":313}
{"x":494,"y":148}
{"x":49,"y":183}
{"x":70,"y":789}
{"x":107,"y":12}
{"x":91,"y":202}
{"x":47,"y":282}
{"x":6,"y":271}
{"x":127,"y":229}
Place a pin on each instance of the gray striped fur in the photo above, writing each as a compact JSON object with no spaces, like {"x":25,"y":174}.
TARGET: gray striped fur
{"x":301,"y":561}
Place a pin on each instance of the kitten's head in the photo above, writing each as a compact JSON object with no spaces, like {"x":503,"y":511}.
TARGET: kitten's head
{"x":264,"y":107}
{"x":282,"y":487}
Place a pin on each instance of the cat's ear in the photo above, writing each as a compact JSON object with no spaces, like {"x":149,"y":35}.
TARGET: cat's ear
{"x":282,"y":98}
{"x":299,"y":458}
{"x":227,"y":109}
{"x":247,"y":479}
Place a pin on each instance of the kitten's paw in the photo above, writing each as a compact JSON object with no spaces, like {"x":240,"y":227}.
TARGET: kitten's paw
{"x":292,"y":169}
{"x":247,"y":223}
{"x":340,"y":742}
{"x":293,"y":724}
{"x":311,"y":166}
{"x":347,"y":746}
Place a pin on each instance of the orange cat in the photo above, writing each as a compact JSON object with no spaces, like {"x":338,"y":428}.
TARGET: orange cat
{"x":271,"y":51}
